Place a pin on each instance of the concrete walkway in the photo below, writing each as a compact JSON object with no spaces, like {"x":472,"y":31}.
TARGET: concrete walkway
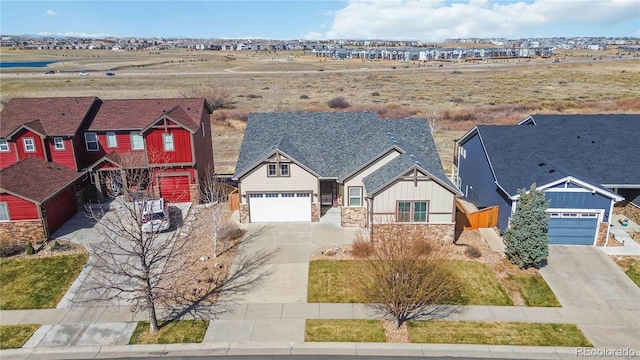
{"x":493,"y":239}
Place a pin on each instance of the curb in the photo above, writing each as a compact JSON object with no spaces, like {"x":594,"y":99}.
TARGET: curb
{"x":292,"y":348}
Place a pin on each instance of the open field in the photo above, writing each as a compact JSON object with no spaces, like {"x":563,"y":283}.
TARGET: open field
{"x":465,"y":94}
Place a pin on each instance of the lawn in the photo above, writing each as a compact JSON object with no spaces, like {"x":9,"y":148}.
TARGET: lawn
{"x":172,"y":332}
{"x":329,"y":282}
{"x":535,"y":291}
{"x":497,"y":333}
{"x":323,"y":330}
{"x":630,"y":265}
{"x":14,"y":336}
{"x":37,"y":283}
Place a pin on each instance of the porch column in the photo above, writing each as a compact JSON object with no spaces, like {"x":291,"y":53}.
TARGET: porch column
{"x":96,"y":180}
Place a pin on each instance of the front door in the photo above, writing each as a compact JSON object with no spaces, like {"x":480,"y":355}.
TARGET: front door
{"x":328,"y":193}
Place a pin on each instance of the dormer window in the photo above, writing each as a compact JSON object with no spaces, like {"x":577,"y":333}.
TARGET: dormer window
{"x":167,"y":140}
{"x":137,"y":142}
{"x":91,"y":141}
{"x":278,"y":167}
{"x":58,"y":143}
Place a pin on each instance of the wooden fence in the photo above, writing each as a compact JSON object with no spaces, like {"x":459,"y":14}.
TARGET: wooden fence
{"x":484,"y":218}
{"x":234,"y":200}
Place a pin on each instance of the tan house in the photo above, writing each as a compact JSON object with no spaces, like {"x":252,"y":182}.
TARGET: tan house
{"x":375,"y":172}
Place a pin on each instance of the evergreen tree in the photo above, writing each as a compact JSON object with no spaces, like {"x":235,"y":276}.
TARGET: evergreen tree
{"x":526,"y":238}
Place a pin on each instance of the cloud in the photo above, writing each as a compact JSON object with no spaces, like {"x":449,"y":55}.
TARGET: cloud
{"x":438,"y":20}
{"x":52,"y":12}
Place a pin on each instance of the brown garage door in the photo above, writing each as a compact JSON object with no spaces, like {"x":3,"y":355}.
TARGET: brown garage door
{"x":175,"y":188}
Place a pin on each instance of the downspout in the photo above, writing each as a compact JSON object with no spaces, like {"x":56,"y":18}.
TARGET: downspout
{"x":606,"y":242}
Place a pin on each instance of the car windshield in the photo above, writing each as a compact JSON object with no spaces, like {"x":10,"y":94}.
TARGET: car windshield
{"x":154,"y":216}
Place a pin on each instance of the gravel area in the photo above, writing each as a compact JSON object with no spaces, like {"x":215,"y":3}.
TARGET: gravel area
{"x":396,"y":336}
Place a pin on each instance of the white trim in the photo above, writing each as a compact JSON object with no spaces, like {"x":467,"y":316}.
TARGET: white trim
{"x":165,"y":143}
{"x":115,"y":139}
{"x":349,"y":197}
{"x":134,"y":134}
{"x":86,"y":142}
{"x":373,"y":160}
{"x":583,"y":190}
{"x":33,"y":144}
{"x":527,"y":119}
{"x":55,"y":143}
{"x":3,"y":143}
{"x":622,"y":186}
{"x":576,"y":181}
{"x":600,"y":213}
{"x":6,"y":206}
{"x":424,"y":172}
{"x":290,"y":158}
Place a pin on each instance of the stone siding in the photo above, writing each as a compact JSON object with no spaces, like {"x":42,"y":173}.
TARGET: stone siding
{"x":244,"y":213}
{"x":22,"y":231}
{"x":628,"y":209}
{"x":194,"y":194}
{"x":353,"y":216}
{"x":315,"y":212}
{"x":601,"y":239}
{"x":435,"y":232}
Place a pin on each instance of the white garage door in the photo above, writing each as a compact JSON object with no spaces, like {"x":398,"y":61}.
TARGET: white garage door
{"x":276,"y":207}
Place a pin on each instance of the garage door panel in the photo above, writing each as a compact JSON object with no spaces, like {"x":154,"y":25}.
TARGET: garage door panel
{"x":271,"y":207}
{"x":575,"y":231}
{"x":175,"y":188}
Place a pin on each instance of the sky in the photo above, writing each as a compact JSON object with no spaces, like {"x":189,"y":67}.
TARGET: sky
{"x":430,"y":20}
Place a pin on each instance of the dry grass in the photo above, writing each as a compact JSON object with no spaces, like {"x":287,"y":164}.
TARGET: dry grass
{"x":14,"y":336}
{"x":171,"y":332}
{"x":322,"y":330}
{"x":630,"y":265}
{"x":497,"y":333}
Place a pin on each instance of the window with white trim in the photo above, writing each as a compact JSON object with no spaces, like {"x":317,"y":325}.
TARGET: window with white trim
{"x":4,"y":145}
{"x":272,"y":170}
{"x":58,"y":143}
{"x":29,"y":144}
{"x":355,"y":196}
{"x":4,"y":211}
{"x":91,"y":141}
{"x":412,"y":211}
{"x":112,"y":140}
{"x":137,"y":141}
{"x":167,"y":140}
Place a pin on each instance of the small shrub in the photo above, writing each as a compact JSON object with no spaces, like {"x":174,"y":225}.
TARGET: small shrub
{"x":361,"y":248}
{"x":11,"y":249}
{"x":473,"y":252}
{"x":254,"y":96}
{"x":304,"y":97}
{"x":30,"y":250}
{"x":338,"y":103}
{"x":456,"y":72}
{"x":375,"y":93}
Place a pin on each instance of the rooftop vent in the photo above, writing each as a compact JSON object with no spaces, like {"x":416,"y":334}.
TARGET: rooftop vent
{"x":418,"y":163}
{"x":413,"y":156}
{"x":551,"y":171}
{"x":593,"y":142}
{"x":542,"y":164}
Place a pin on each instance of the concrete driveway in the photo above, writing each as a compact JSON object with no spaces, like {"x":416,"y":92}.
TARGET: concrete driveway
{"x":289,"y":268}
{"x":589,"y":284}
{"x":83,"y":230}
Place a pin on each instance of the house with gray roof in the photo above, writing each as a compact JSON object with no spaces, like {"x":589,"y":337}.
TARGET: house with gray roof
{"x":584,"y":163}
{"x":375,"y":171}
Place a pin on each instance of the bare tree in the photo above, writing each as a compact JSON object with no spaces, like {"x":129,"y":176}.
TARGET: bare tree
{"x":434,"y":121}
{"x":213,"y":191}
{"x":149,"y":269}
{"x":404,"y":277}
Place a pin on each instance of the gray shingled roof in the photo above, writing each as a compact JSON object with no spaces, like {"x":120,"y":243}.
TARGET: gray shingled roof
{"x":334,"y":144}
{"x":600,"y":149}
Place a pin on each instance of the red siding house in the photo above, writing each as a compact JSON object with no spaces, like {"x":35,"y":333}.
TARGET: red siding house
{"x":46,"y":128}
{"x":36,"y":199}
{"x":169,"y":137}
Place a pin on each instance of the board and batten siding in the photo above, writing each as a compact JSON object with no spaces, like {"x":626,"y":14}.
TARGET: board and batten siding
{"x":579,"y":200}
{"x":477,"y":183}
{"x":357,"y":179}
{"x":258,"y":181}
{"x":441,"y":200}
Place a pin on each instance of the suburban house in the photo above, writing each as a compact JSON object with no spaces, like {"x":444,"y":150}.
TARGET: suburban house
{"x":584,"y":163}
{"x":36,"y":198}
{"x":46,"y":128}
{"x":171,"y":138}
{"x":95,"y":140}
{"x":378,"y":172}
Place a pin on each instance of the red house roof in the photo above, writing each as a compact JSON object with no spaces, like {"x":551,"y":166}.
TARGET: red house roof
{"x":48,"y":116}
{"x":35,"y":179}
{"x":137,"y":114}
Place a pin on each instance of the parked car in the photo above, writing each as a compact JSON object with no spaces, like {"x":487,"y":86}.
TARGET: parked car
{"x":110,"y":74}
{"x":84,"y":74}
{"x":155,"y":217}
{"x":49,"y":72}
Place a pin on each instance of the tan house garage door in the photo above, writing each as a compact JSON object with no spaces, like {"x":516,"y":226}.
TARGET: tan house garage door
{"x":280,"y":207}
